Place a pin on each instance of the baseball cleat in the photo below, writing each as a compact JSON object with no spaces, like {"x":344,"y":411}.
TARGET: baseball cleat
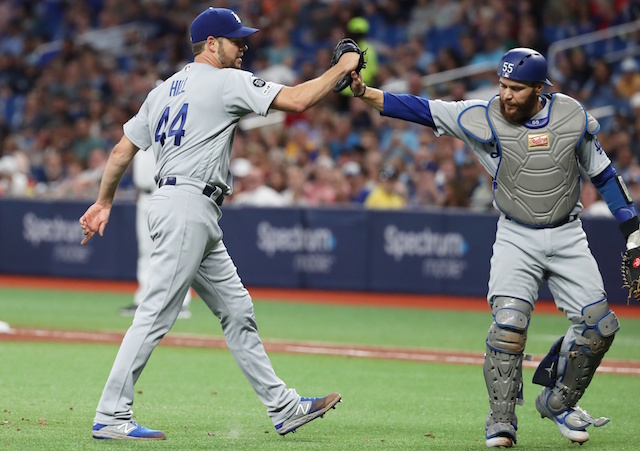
{"x":571,"y":422}
{"x":125,"y":431}
{"x":307,"y":410}
{"x":499,"y":442}
{"x":499,"y":435}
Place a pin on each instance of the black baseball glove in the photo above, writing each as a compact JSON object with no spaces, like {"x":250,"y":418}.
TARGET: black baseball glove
{"x":631,"y":272}
{"x":346,"y":45}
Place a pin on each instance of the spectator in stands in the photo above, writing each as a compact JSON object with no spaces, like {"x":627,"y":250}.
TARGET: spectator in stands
{"x":51,"y":173}
{"x":388,"y":192}
{"x":293,"y":195}
{"x":105,"y":79}
{"x":14,"y":179}
{"x":422,"y":57}
{"x":281,"y":50}
{"x":443,"y":14}
{"x":320,"y":189}
{"x":371,"y":164}
{"x":299,"y":147}
{"x":279,"y":73}
{"x":455,"y":194}
{"x":627,"y":82}
{"x":468,"y":47}
{"x":491,"y":51}
{"x":475,"y":184}
{"x":420,"y":21}
{"x":255,"y":193}
{"x":482,"y":195}
{"x":598,"y":89}
{"x":425,"y":191}
{"x":84,"y":142}
{"x":447,"y":59}
{"x":87,"y":183}
{"x":66,"y":187}
{"x":401,"y":142}
{"x":276,"y":178}
{"x":579,"y":73}
{"x":358,"y":29}
{"x":529,"y":34}
{"x":623,"y":159}
{"x":358,"y":189}
{"x":342,"y":187}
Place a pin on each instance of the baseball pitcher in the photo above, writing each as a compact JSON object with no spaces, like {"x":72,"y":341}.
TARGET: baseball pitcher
{"x":189,"y":122}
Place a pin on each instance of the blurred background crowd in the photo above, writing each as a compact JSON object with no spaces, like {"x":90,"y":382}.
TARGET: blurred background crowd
{"x":73,"y":71}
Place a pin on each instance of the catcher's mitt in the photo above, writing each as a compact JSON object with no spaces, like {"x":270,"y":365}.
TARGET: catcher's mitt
{"x":631,"y":272}
{"x":347,"y":45}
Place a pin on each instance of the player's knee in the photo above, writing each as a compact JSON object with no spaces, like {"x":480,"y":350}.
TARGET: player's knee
{"x":508,"y":332}
{"x":240,"y":316}
{"x":600,"y":327}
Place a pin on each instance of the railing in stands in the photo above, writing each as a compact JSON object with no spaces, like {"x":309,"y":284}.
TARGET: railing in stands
{"x":620,"y":32}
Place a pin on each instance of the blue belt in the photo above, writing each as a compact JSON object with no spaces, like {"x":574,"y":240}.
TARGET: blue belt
{"x":208,"y":190}
{"x":564,"y":221}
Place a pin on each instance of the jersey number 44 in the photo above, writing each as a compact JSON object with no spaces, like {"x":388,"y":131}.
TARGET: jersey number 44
{"x":176,"y":129}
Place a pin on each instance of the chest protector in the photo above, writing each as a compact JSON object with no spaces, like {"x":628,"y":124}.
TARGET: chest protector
{"x":537,"y":181}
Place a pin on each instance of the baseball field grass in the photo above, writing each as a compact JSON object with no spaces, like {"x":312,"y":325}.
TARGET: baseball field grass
{"x":198,"y":396}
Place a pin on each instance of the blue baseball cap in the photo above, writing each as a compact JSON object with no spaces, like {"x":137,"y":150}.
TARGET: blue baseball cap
{"x":218,"y":22}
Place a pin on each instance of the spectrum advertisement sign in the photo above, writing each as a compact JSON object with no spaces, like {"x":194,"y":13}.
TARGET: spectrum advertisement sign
{"x":444,"y":252}
{"x":43,"y":238}
{"x":431,"y":253}
{"x":297,"y":247}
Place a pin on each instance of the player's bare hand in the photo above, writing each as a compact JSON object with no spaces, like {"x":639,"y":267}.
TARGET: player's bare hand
{"x":357,"y":85}
{"x":93,"y":221}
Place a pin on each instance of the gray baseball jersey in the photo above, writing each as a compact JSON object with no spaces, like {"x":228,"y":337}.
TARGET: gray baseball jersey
{"x":523,"y":256}
{"x":189,"y":121}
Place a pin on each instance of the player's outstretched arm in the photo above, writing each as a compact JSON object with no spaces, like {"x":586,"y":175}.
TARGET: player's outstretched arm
{"x":371,"y":96}
{"x":296,"y":99}
{"x":96,"y":217}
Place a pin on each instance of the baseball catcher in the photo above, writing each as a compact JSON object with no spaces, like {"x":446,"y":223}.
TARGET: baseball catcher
{"x":534,"y":146}
{"x":343,"y":46}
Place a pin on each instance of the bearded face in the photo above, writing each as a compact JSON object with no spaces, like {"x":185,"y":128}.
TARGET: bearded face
{"x":230,"y":52}
{"x":518,"y":101}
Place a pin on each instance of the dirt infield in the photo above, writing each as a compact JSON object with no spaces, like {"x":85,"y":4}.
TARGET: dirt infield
{"x":414,"y":355}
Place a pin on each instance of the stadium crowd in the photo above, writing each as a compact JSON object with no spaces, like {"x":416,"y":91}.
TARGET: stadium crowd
{"x":72,"y":72}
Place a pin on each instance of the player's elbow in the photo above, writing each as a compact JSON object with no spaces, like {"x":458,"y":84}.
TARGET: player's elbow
{"x":123,"y":152}
{"x":292,"y":100}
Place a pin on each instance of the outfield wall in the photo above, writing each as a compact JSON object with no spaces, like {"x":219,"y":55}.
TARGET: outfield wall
{"x":445,"y":252}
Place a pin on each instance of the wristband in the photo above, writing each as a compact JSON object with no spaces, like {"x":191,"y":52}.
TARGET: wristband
{"x":629,"y":226}
{"x":363,"y":91}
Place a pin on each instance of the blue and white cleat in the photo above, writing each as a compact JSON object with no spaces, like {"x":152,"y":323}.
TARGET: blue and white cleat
{"x":571,"y":421}
{"x":125,"y":431}
{"x":309,"y":409}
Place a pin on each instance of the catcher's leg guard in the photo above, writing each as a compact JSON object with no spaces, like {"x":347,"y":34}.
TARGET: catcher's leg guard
{"x":503,"y":368}
{"x":569,"y":367}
